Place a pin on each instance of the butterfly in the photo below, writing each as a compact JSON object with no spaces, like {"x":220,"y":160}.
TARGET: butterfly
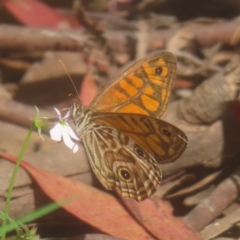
{"x":121,"y":131}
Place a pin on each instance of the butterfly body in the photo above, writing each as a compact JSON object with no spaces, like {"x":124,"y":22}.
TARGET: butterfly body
{"x":123,"y":137}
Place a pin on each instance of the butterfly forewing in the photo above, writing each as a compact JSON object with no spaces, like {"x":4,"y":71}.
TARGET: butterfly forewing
{"x":144,"y":88}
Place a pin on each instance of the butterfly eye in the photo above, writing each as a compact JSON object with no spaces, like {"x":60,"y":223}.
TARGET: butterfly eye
{"x":166,"y":132}
{"x":124,"y":174}
{"x":158,"y":70}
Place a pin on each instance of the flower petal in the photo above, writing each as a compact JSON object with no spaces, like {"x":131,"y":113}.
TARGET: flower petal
{"x":62,"y":130}
{"x":56,"y":132}
{"x":72,"y":134}
{"x":67,"y":115}
{"x":66,"y":137}
{"x":75,"y":148}
{"x":58,"y":113}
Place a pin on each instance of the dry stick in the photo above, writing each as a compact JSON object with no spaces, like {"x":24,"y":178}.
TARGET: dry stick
{"x":211,"y":207}
{"x":142,"y":36}
{"x":221,"y":225}
{"x":208,"y":35}
{"x":194,"y":35}
{"x":17,"y":113}
{"x":14,"y":38}
{"x":197,"y":186}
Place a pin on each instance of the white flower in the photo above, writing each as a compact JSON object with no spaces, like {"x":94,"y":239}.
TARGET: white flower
{"x":62,"y":130}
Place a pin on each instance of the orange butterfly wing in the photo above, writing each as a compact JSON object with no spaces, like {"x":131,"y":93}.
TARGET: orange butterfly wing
{"x":144,"y":88}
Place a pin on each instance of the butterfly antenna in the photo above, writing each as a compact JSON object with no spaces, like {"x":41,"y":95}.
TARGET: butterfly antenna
{"x":69,"y":76}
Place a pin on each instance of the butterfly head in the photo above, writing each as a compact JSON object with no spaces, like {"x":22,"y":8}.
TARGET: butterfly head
{"x":81,"y":117}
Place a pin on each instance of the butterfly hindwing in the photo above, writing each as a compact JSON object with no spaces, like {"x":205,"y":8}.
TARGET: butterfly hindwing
{"x":162,"y":140}
{"x":118,"y":161}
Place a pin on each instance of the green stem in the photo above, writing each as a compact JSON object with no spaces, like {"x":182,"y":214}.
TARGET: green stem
{"x":12,"y":181}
